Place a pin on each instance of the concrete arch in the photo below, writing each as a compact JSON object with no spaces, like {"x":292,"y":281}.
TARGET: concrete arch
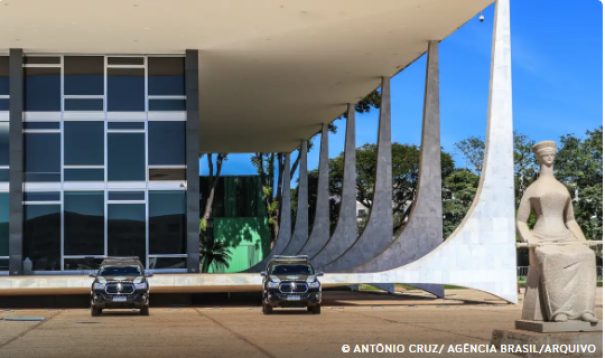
{"x":378,"y":233}
{"x":481,"y":253}
{"x":285,"y":227}
{"x":301,"y":227}
{"x":320,"y":234}
{"x":345,"y":232}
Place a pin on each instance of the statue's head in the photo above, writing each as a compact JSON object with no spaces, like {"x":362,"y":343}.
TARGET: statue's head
{"x":545,"y":152}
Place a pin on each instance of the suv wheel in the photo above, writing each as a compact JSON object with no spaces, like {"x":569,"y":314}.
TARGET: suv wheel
{"x":95,"y":311}
{"x":315,"y":309}
{"x":267,"y":309}
{"x":145,"y":311}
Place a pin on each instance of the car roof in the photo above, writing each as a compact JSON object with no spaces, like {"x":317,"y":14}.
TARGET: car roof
{"x":121,"y":261}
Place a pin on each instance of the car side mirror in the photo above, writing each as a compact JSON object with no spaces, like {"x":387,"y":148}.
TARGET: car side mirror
{"x":319,"y":274}
{"x":148,"y":274}
{"x":264,"y":274}
{"x":92,"y":275}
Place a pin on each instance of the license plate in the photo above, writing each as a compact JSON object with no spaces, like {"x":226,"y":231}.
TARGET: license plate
{"x":119,"y":298}
{"x":293,"y":297}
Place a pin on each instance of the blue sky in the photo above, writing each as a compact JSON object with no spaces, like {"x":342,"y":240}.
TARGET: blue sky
{"x":557,"y":56}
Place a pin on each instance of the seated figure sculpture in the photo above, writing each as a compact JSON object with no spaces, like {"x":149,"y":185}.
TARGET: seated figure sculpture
{"x":561,"y":284}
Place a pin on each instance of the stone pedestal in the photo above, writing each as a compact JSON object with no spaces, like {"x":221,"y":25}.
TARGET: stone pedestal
{"x":529,"y":343}
{"x":553,"y":327}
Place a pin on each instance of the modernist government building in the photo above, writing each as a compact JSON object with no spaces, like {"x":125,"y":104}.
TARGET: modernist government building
{"x":106,"y":107}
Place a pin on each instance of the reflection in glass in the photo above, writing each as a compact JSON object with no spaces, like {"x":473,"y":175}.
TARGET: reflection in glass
{"x":42,"y":125}
{"x":42,"y":60}
{"x":87,"y":263}
{"x":125,"y":61}
{"x":3,"y":224}
{"x":83,"y":75}
{"x":4,"y":104}
{"x":4,"y":149}
{"x":84,"y":174}
{"x":126,"y":195}
{"x":126,"y":89}
{"x":167,"y":174}
{"x":83,"y":105}
{"x":167,"y":232}
{"x":126,"y":230}
{"x":42,"y":157}
{"x":4,"y":74}
{"x":42,"y":89}
{"x":84,"y":224}
{"x":168,"y":105}
{"x":42,"y":236}
{"x":126,"y":156}
{"x":166,"y":143}
{"x":166,"y":76}
{"x":84,"y":143}
{"x":125,"y":125}
{"x":4,"y":175}
{"x":42,"y":196}
{"x":3,"y":264}
{"x":167,"y":263}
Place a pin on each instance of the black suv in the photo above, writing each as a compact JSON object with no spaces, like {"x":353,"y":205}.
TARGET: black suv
{"x":291,"y":281}
{"x":121,"y":282}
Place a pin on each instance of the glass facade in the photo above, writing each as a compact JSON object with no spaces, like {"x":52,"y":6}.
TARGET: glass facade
{"x":104,"y":161}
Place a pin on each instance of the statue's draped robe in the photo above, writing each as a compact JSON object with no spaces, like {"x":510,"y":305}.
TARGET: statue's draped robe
{"x":562,"y":278}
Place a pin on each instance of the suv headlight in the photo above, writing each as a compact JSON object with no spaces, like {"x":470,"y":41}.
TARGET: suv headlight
{"x":272,"y":284}
{"x":98,"y":286}
{"x":141,"y":286}
{"x":314,"y":284}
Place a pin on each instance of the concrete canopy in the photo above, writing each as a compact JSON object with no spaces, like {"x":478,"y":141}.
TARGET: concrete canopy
{"x":271,"y":71}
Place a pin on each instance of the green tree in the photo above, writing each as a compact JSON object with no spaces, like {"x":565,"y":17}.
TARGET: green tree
{"x":459,"y":189}
{"x":213,"y":253}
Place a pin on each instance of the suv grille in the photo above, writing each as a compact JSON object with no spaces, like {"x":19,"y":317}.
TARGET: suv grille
{"x":119,"y":288}
{"x":293,"y":287}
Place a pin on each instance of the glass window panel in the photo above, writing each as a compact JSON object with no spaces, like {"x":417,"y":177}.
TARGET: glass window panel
{"x":166,"y":143}
{"x":84,"y":174}
{"x":3,"y":264}
{"x":82,"y":264}
{"x":42,"y":60}
{"x":167,"y":226}
{"x":126,"y":156}
{"x":4,"y":75}
{"x":167,"y":174}
{"x":166,"y":76}
{"x":42,"y":89}
{"x":83,"y":105}
{"x":41,"y":125}
{"x":3,"y":224}
{"x":4,"y":148}
{"x":126,"y":230}
{"x":4,"y":104}
{"x":167,"y":105}
{"x":167,"y":263}
{"x":125,"y":125}
{"x":126,"y":89}
{"x":42,"y":157}
{"x":42,"y":236}
{"x":42,"y":196}
{"x":84,"y":223}
{"x":84,"y":143}
{"x":84,"y":75}
{"x":4,"y":175}
{"x":126,"y":195}
{"x":125,"y":61}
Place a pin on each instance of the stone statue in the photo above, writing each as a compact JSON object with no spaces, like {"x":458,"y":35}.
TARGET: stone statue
{"x":561,"y":284}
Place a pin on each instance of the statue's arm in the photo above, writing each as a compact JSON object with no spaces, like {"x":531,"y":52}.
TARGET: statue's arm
{"x":572,"y":224}
{"x":523,"y":213}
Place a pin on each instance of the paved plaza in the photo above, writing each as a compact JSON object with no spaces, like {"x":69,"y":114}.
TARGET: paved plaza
{"x":241,"y":330}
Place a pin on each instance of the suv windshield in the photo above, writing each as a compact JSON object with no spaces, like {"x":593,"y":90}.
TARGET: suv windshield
{"x":291,"y":270}
{"x":120,"y":271}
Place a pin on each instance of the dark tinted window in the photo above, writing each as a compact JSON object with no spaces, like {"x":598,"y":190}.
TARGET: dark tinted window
{"x":4,"y":73}
{"x":167,"y":174}
{"x":82,"y":264}
{"x":167,"y":105}
{"x":4,"y":104}
{"x":84,"y":75}
{"x":42,"y":60}
{"x":3,"y":264}
{"x":126,"y":89}
{"x":167,"y":263}
{"x":126,"y":230}
{"x":132,"y":270}
{"x":42,"y":196}
{"x":4,"y":174}
{"x":125,"y":125}
{"x":84,"y":143}
{"x":84,"y":174}
{"x":42,"y":89}
{"x":167,"y":230}
{"x":166,"y":143}
{"x":166,"y":76}
{"x":84,"y":224}
{"x":41,"y":125}
{"x":4,"y":149}
{"x":126,"y":156}
{"x":83,"y":105}
{"x":126,"y":195}
{"x":42,"y":236}
{"x":125,"y":61}
{"x":42,"y":157}
{"x":3,"y":224}
{"x":291,"y":270}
